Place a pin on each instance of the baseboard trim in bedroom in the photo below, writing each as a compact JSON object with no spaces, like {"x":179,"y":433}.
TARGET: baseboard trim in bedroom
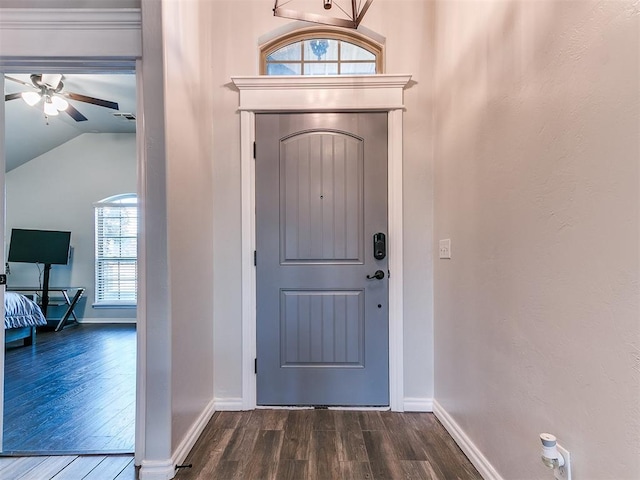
{"x":106,"y":321}
{"x":472,"y":452}
{"x":418,"y":404}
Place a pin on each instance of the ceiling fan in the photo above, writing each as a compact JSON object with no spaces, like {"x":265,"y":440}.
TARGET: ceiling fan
{"x":49,"y":90}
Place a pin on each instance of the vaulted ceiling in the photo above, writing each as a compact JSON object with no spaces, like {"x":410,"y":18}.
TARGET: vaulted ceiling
{"x":30,"y":134}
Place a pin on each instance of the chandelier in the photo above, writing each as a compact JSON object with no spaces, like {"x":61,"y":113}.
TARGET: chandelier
{"x":330,"y":12}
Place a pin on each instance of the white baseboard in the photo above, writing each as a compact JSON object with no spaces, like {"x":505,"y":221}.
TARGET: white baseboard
{"x":193,"y":434}
{"x":417,"y":404}
{"x":106,"y":320}
{"x":410,"y":405}
{"x":156,"y":470}
{"x":228,"y":404}
{"x":165,"y":469}
{"x":476,"y":457}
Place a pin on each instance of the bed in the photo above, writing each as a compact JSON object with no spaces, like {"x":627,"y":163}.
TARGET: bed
{"x":21,"y":317}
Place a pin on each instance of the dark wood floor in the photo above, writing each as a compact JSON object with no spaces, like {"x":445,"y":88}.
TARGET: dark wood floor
{"x":326,"y":444}
{"x":72,"y":393}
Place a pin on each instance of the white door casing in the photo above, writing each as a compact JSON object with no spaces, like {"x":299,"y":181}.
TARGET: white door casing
{"x":321,"y":94}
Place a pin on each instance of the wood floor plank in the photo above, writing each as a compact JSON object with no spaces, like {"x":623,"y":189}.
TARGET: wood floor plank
{"x":406,"y":444}
{"x":48,"y":468}
{"x":212,"y":439}
{"x":297,"y":435}
{"x":264,"y":457}
{"x":268,"y":419}
{"x":371,"y":420}
{"x":356,"y":471}
{"x":382,"y":458}
{"x":242,"y":441}
{"x":79,"y":468}
{"x":347,"y":420}
{"x":21,"y":466}
{"x":324,"y":463}
{"x":110,"y":467}
{"x":418,"y":470}
{"x":230,"y":419}
{"x":205,"y":456}
{"x":446,"y":459}
{"x":7,"y":461}
{"x":228,"y":469}
{"x":130,"y":472}
{"x":292,"y":470}
{"x":324,"y":420}
{"x":351,"y":446}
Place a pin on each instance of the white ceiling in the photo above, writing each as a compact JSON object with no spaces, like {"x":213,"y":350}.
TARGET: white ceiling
{"x":29,"y":134}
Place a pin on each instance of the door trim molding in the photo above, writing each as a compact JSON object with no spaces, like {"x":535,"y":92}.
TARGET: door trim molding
{"x":319,"y":94}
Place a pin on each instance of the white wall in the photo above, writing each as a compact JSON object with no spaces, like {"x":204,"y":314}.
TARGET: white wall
{"x":536,"y":184}
{"x":236,"y":27}
{"x":189,"y":149}
{"x":176,"y":305}
{"x":56,"y":191}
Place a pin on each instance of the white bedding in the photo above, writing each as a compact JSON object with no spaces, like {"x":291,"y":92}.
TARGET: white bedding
{"x":19,"y":311}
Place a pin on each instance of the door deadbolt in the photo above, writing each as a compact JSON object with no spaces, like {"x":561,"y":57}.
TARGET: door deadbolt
{"x":379,"y":246}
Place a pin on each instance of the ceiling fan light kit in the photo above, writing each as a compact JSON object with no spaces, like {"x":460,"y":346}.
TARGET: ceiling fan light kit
{"x":49,"y":89}
{"x":31,"y":98}
{"x":351,"y":15}
{"x":49,"y":108}
{"x":60,"y":103}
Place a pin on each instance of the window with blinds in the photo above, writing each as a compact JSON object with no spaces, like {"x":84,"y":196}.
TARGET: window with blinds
{"x":116,"y":250}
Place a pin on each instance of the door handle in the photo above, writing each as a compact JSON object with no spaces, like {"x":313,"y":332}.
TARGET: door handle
{"x":379,"y":275}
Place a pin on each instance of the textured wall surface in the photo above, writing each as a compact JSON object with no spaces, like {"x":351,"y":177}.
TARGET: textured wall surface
{"x":237,"y":27}
{"x":536,"y":184}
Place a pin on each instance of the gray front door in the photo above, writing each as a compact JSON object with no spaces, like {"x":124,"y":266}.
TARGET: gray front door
{"x":321,"y":196}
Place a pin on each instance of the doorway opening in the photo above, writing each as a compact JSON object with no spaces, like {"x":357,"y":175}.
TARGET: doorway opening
{"x":73,"y":390}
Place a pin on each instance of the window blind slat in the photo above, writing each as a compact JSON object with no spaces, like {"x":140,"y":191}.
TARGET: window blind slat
{"x":116,"y":249}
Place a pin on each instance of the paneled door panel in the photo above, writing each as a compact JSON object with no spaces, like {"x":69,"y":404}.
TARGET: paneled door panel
{"x":322,"y":316}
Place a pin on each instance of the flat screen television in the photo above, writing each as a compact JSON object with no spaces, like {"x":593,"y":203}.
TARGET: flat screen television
{"x":39,"y":246}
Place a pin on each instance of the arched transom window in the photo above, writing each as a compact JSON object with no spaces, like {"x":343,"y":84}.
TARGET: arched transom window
{"x":321,"y":52}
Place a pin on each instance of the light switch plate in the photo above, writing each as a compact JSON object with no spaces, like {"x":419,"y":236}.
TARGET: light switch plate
{"x":445,"y":248}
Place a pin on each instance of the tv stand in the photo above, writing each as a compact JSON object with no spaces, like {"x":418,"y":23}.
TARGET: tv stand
{"x":45,"y":289}
{"x":70,"y":301}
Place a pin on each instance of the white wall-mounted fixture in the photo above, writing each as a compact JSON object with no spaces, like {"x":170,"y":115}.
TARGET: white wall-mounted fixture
{"x":555,"y":457}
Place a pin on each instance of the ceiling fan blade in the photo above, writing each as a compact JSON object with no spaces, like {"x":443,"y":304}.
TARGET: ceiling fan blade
{"x":12,"y":96}
{"x":75,"y":114}
{"x":28,"y":84}
{"x":94,"y":101}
